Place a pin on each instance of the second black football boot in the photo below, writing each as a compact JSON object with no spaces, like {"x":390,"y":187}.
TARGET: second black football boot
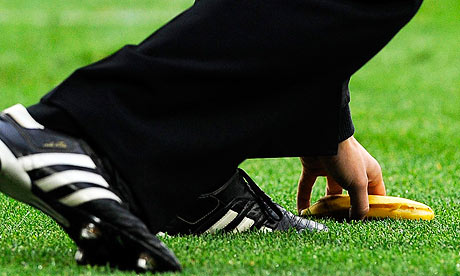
{"x":237,"y":206}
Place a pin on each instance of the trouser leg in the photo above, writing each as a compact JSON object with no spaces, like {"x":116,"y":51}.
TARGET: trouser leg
{"x":224,"y":81}
{"x":205,"y":176}
{"x":55,"y":118}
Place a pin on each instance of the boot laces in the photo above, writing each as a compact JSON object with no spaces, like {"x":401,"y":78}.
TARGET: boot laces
{"x":262,"y":198}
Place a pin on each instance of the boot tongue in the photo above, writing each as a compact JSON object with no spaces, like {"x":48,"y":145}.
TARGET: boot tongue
{"x":234,"y":188}
{"x":206,"y":204}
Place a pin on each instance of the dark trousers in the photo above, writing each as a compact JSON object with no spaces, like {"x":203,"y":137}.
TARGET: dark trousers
{"x":224,"y":81}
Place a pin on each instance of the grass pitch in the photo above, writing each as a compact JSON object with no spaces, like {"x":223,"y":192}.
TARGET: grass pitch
{"x":406,"y":108}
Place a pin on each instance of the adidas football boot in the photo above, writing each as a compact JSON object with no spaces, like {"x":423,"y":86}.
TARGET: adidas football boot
{"x":237,"y":206}
{"x":64,"y":178}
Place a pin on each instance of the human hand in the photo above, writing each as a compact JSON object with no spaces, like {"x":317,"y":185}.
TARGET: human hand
{"x":352,"y":169}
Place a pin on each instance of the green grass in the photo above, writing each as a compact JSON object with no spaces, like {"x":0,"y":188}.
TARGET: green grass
{"x":406,"y":108}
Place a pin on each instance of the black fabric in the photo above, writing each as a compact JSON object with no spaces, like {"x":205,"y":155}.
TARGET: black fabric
{"x":224,"y":81}
{"x":55,"y":118}
{"x":346,"y":127}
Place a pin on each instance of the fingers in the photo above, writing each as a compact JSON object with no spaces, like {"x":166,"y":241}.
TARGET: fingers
{"x":355,"y":181}
{"x":304,"y":189}
{"x":353,"y":169}
{"x":332,"y":187}
{"x":374,"y":174}
{"x":311,"y":169}
{"x":377,"y":187}
{"x":359,"y":200}
{"x":348,"y":170}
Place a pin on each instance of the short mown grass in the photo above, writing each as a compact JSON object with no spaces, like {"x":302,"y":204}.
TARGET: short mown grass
{"x":405,"y":105}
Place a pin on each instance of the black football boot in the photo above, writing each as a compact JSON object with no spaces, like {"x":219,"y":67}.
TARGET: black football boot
{"x":64,"y":178}
{"x":237,"y":206}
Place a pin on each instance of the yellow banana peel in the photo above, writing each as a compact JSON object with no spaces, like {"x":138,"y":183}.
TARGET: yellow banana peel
{"x":337,"y":206}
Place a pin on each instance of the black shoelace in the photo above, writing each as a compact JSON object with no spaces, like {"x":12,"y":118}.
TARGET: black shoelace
{"x":262,"y":198}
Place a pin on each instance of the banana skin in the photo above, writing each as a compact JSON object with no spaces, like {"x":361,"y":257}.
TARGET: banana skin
{"x":337,"y":206}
